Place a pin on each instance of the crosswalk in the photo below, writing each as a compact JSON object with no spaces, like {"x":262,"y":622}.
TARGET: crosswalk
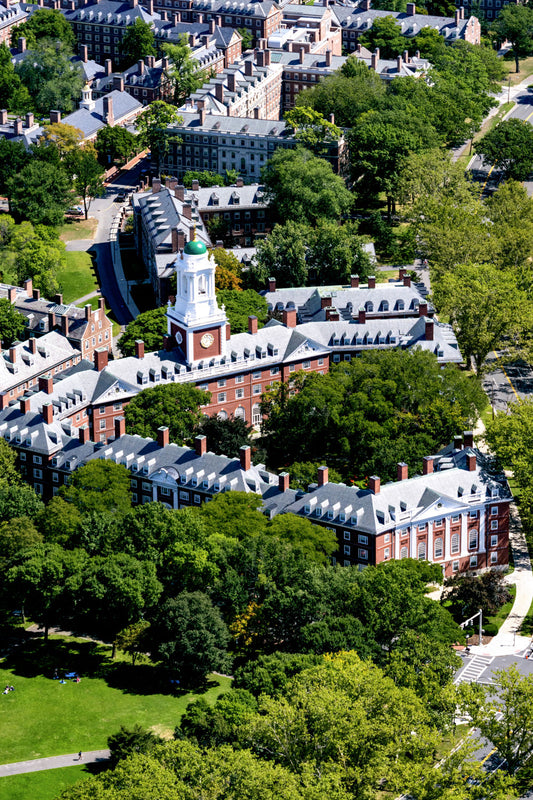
{"x":474,"y":669}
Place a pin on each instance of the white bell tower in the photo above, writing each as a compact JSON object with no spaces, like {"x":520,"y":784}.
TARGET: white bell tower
{"x":195,"y":320}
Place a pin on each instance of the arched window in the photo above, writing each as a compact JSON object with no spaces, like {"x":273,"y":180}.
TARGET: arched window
{"x":403,"y":552}
{"x":222,"y":414}
{"x":385,"y":305}
{"x":455,"y":543}
{"x":240,"y":413}
{"x":472,"y":539}
{"x":438,"y":548}
{"x":422,"y":551}
{"x":369,"y":306}
{"x":201,"y":284}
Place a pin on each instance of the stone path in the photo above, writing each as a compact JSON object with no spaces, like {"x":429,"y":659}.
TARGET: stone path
{"x":55,"y":762}
{"x":86,"y":297}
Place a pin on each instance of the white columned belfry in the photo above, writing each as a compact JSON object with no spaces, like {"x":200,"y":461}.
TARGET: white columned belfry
{"x":195,"y":320}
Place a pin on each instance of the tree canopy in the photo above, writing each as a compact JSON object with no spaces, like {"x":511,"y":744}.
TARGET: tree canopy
{"x":150,"y":326}
{"x":240,"y":305}
{"x":509,"y":147}
{"x":176,"y":406}
{"x":12,"y":323}
{"x":138,"y":42}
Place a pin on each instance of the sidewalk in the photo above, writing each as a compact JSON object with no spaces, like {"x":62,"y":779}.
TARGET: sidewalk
{"x":54,"y":762}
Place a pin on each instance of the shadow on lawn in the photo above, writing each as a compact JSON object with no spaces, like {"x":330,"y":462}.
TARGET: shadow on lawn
{"x":34,"y":657}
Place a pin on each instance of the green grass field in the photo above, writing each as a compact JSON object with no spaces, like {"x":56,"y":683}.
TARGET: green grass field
{"x":44,"y":785}
{"x":77,"y":278}
{"x":75,"y":229}
{"x":44,"y":718}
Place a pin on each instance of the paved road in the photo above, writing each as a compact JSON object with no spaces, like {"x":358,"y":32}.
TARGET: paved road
{"x":55,"y":762}
{"x":104,"y":209}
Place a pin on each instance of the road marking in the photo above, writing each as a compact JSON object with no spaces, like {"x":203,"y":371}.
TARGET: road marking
{"x":528,"y":116}
{"x":474,"y":669}
{"x":488,"y":176}
{"x":505,"y":373}
{"x":489,"y":755}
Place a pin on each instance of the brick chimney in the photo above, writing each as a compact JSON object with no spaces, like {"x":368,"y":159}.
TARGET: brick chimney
{"x":289,"y":317}
{"x":120,"y":427}
{"x":178,"y":240}
{"x":28,"y":287}
{"x":406,"y":280}
{"x":195,"y":184}
{"x":109,"y":117}
{"x":328,"y":58}
{"x":374,"y":484}
{"x":325,"y":302}
{"x":21,"y":44}
{"x":36,"y":294}
{"x":422,"y":309}
{"x":150,"y":7}
{"x":179,"y":192}
{"x":228,"y":331}
{"x":371,"y":281}
{"x":30,"y":119}
{"x":84,"y":52}
{"x":471,"y":461}
{"x":361,"y":317}
{"x":4,"y":400}
{"x":430,"y":332}
{"x":212,"y":26}
{"x":283,"y":481}
{"x":55,"y":116}
{"x":64,"y":325}
{"x":24,"y":405}
{"x":468,"y":438}
{"x":245,"y":457}
{"x":354,"y":281}
{"x":13,"y":354}
{"x":108,"y":67}
{"x":12,"y":294}
{"x":230,"y":80}
{"x":248,"y":67}
{"x":32,"y":344}
{"x":88,"y":311}
{"x":399,"y":62}
{"x":17,"y":127}
{"x":163,"y":438}
{"x":271,"y":285}
{"x":252,"y":324}
{"x":239,"y":183}
{"x":200,"y":445}
{"x":457,"y":442}
{"x":374,"y":59}
{"x":219,"y":92}
{"x":187,"y":211}
{"x":402,"y":471}
{"x":139,"y":348}
{"x":48,"y":413}
{"x":411,"y":9}
{"x":427,"y":465}
{"x":101,"y":356}
{"x":83,"y":434}
{"x":332,"y":315}
{"x":401,"y":273}
{"x":46,"y":384}
{"x":323,"y":475}
{"x":140,"y":66}
{"x":118,"y":83}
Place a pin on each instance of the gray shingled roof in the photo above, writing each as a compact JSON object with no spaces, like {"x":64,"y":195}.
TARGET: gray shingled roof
{"x":90,"y":122}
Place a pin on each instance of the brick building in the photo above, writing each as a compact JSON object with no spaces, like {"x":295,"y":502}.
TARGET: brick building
{"x":83,"y":328}
{"x":10,"y":16}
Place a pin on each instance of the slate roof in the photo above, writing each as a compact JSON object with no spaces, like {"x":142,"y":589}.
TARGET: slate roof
{"x":362,"y":20}
{"x":90,"y":122}
{"x":51,"y":350}
{"x":249,"y":196}
{"x":113,"y":12}
{"x":234,"y":125}
{"x":161,"y":211}
{"x":36,"y":312}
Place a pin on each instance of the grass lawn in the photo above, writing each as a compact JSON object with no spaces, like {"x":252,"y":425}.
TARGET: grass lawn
{"x":44,"y":785}
{"x":526,"y":69}
{"x":383,"y":276}
{"x":74,"y":229}
{"x":450,"y":740}
{"x":93,"y":302}
{"x":43,"y":717}
{"x":527,"y":625}
{"x":77,"y":278}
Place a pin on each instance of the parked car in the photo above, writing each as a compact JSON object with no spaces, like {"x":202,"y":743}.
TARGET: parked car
{"x":121,"y":196}
{"x":75,"y":211}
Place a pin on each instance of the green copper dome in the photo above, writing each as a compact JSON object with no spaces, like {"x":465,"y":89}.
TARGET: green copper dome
{"x":195,"y":248}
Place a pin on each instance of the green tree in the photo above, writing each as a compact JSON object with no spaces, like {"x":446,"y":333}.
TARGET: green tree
{"x":15,"y":500}
{"x":247,"y":38}
{"x":282,"y":255}
{"x":228,"y":273}
{"x":514,"y":23}
{"x":137,"y":42}
{"x":50,"y":76}
{"x":504,"y":717}
{"x":12,"y":323}
{"x":509,"y":147}
{"x":115,"y":145}
{"x":469,"y":593}
{"x":16,"y":536}
{"x":129,"y":741}
{"x":60,"y":522}
{"x":225,"y":436}
{"x":310,"y":128}
{"x":270,"y":674}
{"x":484,"y":305}
{"x":66,"y":138}
{"x":190,"y":637}
{"x":240,"y":305}
{"x":210,"y":726}
{"x":234,"y":515}
{"x":114,"y":592}
{"x":511,"y":214}
{"x":99,"y":486}
{"x":305,"y":472}
{"x":150,"y":326}
{"x":152,"y":127}
{"x":44,"y":23}
{"x":133,"y":640}
{"x":176,"y":405}
{"x":49,"y":197}
{"x":386,"y":34}
{"x":13,"y":95}
{"x":87,"y":175}
{"x":204,"y":177}
{"x":185,"y":78}
{"x":335,"y":252}
{"x":302,"y":187}
{"x":314,"y":542}
{"x":13,"y":159}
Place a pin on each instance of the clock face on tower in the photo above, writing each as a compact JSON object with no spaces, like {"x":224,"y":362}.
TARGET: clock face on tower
{"x":207,"y":340}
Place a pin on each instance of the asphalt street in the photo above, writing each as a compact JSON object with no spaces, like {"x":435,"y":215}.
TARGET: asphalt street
{"x":104,"y":209}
